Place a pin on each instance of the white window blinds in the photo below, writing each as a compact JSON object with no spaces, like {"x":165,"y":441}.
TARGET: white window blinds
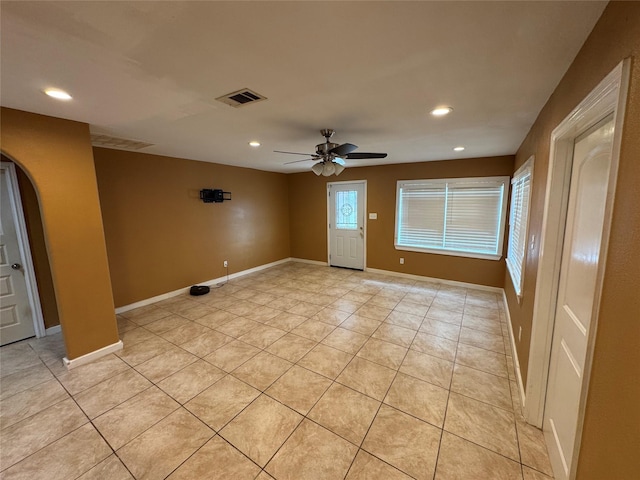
{"x":463,"y":216}
{"x":518,"y":222}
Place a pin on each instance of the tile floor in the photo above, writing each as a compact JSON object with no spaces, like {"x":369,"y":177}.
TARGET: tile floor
{"x":296,"y":372}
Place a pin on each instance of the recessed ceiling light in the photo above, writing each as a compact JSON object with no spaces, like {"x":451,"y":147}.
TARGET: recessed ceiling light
{"x":441,"y":111}
{"x":458,"y":149}
{"x":57,"y":94}
{"x":254,"y":143}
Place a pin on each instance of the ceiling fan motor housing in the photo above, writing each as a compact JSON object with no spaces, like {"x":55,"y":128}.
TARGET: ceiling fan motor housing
{"x":324,"y":148}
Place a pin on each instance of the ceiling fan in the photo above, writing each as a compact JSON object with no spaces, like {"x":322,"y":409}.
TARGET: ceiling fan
{"x":332,"y":156}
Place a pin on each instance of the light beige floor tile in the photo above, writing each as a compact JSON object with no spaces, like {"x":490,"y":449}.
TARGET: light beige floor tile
{"x":30,"y":401}
{"x":428,"y":368}
{"x":407,"y":306}
{"x":191,"y":380}
{"x":262,"y":336}
{"x":422,"y":297}
{"x":216,"y":460}
{"x":31,"y":434}
{"x":124,"y":325}
{"x":291,"y":347}
{"x":440,"y":329}
{"x":345,"y":412}
{"x":383,"y":353}
{"x":129,"y":419}
{"x":313,"y":330}
{"x":222,"y":401}
{"x":146,"y":314}
{"x":161,"y":366}
{"x":109,"y":469}
{"x":482,"y":312}
{"x":237,"y":327}
{"x":312,"y":453}
{"x":262,"y":370}
{"x":299,"y":389}
{"x":262,"y":313}
{"x":452,"y":304}
{"x":143,"y":351}
{"x":286,"y":321}
{"x":531,"y":474}
{"x":261,"y":429}
{"x":368,"y":467}
{"x":483,"y":324}
{"x":436,"y":346}
{"x":420,"y":399}
{"x":136,"y":335}
{"x":376,"y":312}
{"x":68,"y":457}
{"x":345,"y":305}
{"x":477,"y":338}
{"x":442,"y":314}
{"x":406,"y":320}
{"x":262,"y":298}
{"x":462,"y":459}
{"x":481,"y":359}
{"x":345,"y":340}
{"x":167,"y":323}
{"x":17,"y":357}
{"x":395,"y":334}
{"x":185,"y":333}
{"x":216,"y":318}
{"x":112,"y":392}
{"x":358,"y":297}
{"x":85,"y":376}
{"x":480,"y":423}
{"x":23,"y":380}
{"x":382,"y":301}
{"x":481,"y":386}
{"x":404,"y":442}
{"x":283,"y":303}
{"x":326,"y":361}
{"x":205,"y":344}
{"x":242,"y":307}
{"x":360,"y":324}
{"x":305,"y":309}
{"x":533,"y":450}
{"x":162,"y":448}
{"x":331,"y":316}
{"x":367,"y":377}
{"x":232,"y":355}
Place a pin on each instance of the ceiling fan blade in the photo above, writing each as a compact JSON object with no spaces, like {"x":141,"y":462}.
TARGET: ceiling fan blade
{"x":363,"y":155}
{"x":344,"y":149}
{"x":339,"y":161}
{"x":298,"y":161}
{"x":292,"y":153}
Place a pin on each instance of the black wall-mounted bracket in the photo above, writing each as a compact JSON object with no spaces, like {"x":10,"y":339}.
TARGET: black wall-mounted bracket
{"x":208,"y":195}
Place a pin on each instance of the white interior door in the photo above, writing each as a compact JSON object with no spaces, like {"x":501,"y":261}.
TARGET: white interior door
{"x":577,"y":291}
{"x":346,"y":224}
{"x":16,"y":316}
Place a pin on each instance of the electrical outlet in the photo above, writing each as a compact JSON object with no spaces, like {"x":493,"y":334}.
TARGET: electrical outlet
{"x":519,"y":334}
{"x":401,"y":261}
{"x":225,"y":264}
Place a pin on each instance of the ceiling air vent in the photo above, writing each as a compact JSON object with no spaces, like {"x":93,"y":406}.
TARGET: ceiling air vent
{"x":98,"y":140}
{"x":241,"y":98}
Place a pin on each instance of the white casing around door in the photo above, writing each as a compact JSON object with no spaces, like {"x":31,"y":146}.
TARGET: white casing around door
{"x":346,"y":205}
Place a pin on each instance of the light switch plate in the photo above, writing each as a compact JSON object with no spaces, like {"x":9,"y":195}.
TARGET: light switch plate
{"x":373,"y":216}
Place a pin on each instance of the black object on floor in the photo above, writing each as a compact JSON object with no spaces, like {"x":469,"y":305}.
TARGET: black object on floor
{"x":199,"y":290}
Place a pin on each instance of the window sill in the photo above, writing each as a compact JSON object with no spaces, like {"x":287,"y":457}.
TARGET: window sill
{"x":452,"y":253}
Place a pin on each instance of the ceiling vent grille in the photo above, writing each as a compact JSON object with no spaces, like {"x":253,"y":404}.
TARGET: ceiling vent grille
{"x":241,"y":98}
{"x":98,"y":140}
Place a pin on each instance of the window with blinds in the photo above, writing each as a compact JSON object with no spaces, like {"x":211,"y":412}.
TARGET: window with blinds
{"x":456,"y":216}
{"x":518,"y":222}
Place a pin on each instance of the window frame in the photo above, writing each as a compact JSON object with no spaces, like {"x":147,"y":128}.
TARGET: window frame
{"x":503,"y":181}
{"x":518,"y":283}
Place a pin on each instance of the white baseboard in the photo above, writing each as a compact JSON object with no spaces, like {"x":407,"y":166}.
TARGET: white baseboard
{"x":310,"y":262}
{"x":53,"y":330}
{"x":514,"y":352}
{"x":182,"y":291}
{"x":436,"y":280}
{"x":92,"y":356}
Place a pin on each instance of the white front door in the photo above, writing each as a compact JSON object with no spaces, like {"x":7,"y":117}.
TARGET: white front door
{"x":346,"y":224}
{"x":16,"y":316}
{"x":577,"y":291}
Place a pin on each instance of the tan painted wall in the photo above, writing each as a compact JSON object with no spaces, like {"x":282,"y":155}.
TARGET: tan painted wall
{"x":308,"y":207}
{"x":611,"y":435}
{"x":56,"y":155}
{"x":35,"y":231}
{"x":161,"y":237}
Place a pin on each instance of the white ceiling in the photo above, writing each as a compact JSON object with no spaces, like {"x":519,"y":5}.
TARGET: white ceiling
{"x":151,"y":71}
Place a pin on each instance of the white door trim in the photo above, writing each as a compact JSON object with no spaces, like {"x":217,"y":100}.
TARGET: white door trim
{"x":25,"y":249}
{"x":364,"y":221}
{"x":608,"y":97}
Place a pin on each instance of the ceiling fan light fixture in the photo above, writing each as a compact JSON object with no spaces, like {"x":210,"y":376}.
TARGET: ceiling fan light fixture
{"x":441,"y":111}
{"x":338,"y":169}
{"x":318,"y":168}
{"x":329,"y":169}
{"x":57,"y":94}
{"x":458,"y":149}
{"x":254,"y":143}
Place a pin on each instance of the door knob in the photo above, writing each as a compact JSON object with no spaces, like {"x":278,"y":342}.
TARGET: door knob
{"x":16,"y":266}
